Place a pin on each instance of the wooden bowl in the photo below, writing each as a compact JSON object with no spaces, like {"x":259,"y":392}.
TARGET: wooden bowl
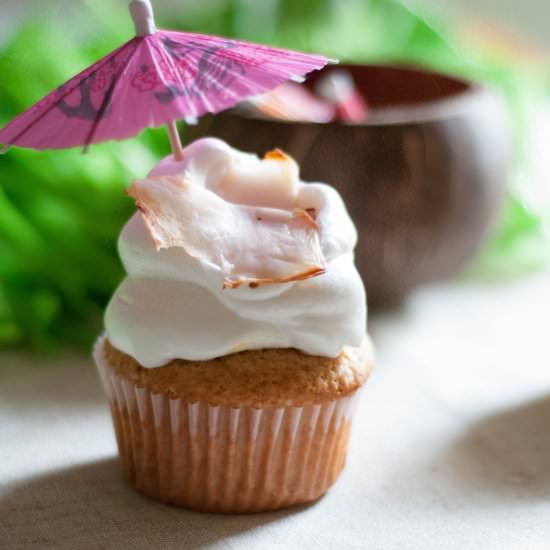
{"x":423,"y":178}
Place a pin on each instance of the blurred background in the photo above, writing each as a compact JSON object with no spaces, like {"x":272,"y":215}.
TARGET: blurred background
{"x":61,"y":212}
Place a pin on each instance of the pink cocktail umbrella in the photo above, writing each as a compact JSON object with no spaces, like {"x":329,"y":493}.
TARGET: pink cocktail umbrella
{"x":156,"y":78}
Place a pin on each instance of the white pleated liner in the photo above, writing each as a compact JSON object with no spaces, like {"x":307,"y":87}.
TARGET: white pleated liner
{"x":225,"y":459}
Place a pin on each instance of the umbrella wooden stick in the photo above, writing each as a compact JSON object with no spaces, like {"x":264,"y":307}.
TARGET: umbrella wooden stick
{"x":175,"y":142}
{"x":142,"y":15}
{"x":144,"y":22}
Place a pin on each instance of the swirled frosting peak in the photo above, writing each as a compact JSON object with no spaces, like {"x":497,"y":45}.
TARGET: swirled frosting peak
{"x":221,"y":218}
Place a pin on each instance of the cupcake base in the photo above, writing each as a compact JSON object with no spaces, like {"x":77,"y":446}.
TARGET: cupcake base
{"x":225,"y":459}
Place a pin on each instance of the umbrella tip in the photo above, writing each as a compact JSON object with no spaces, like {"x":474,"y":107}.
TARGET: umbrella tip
{"x":142,"y":15}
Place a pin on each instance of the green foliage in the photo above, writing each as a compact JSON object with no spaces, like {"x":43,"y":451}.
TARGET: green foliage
{"x":60,"y":212}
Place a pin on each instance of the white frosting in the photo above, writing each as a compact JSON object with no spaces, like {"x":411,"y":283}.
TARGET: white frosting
{"x":172,"y":305}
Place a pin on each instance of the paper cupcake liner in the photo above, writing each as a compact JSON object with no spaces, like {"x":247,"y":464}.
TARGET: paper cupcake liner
{"x":223,"y":459}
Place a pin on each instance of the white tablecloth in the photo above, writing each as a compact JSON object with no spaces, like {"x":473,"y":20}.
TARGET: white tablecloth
{"x":450,"y":449}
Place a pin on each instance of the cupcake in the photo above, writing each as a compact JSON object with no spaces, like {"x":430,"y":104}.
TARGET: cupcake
{"x":236,"y":348}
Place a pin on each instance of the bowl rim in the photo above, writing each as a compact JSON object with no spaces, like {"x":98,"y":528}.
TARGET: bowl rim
{"x":423,"y":111}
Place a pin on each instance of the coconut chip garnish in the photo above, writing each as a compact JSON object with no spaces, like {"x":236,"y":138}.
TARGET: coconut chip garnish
{"x":247,"y":244}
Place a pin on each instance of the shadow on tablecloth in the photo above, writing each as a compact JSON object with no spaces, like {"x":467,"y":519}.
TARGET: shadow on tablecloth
{"x":506,"y":455}
{"x":91,"y":507}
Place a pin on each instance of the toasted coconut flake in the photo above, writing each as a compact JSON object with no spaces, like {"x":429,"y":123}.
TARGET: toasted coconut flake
{"x":276,"y":154}
{"x":248,"y":244}
{"x":270,"y":182}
